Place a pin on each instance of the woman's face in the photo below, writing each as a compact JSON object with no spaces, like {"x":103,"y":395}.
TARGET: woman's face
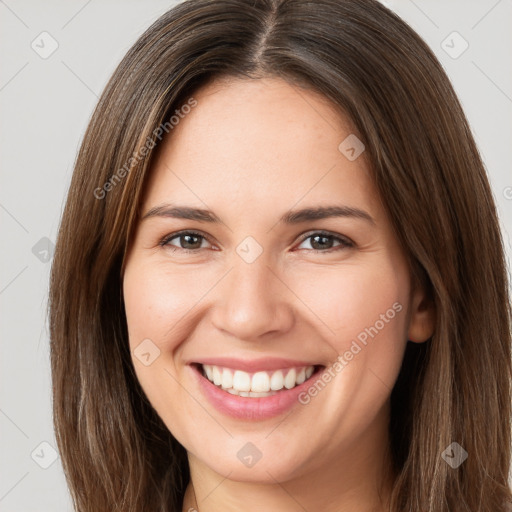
{"x":266,"y":289}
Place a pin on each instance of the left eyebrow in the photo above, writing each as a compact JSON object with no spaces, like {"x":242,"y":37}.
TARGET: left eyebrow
{"x":324,"y":212}
{"x":290,"y":217}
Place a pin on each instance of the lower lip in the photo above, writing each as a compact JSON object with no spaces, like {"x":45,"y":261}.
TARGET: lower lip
{"x":247,"y":408}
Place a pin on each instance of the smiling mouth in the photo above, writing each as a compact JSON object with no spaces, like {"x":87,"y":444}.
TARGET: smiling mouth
{"x":257,"y":384}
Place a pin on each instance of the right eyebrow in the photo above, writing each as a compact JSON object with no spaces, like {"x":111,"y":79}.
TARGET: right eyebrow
{"x":181,"y":212}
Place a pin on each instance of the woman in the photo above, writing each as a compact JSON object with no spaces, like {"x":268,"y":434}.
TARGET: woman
{"x":279,"y":280}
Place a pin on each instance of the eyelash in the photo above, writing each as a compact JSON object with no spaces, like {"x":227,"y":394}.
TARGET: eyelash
{"x":345,"y":243}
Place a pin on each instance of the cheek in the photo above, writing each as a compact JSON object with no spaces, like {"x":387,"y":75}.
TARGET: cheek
{"x":156,"y":301}
{"x":350,"y":299}
{"x":362,"y":309}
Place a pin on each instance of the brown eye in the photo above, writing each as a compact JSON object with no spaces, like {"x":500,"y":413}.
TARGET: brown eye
{"x":322,"y":242}
{"x":186,"y":241}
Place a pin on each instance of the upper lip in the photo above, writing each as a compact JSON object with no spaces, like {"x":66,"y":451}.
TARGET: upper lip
{"x":253,"y":365}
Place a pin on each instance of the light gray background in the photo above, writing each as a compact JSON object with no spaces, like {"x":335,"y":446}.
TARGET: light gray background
{"x":45,"y":106}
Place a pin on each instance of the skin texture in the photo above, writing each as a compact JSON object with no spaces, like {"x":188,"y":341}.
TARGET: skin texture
{"x":250,"y":151}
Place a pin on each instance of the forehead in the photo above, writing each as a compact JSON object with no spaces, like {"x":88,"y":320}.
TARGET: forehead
{"x":258,"y":142}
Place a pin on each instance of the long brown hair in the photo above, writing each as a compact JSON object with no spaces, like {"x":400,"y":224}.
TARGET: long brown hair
{"x":117,"y":453}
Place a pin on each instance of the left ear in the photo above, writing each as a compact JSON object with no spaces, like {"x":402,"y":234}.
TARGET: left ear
{"x":422,"y":316}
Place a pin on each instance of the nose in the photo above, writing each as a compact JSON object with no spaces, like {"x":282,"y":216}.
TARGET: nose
{"x":252,"y":302}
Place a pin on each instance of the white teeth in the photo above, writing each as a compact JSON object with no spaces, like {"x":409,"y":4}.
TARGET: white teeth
{"x":259,"y":395}
{"x":277,"y":381}
{"x":209,"y":372}
{"x":289,"y":380}
{"x":227,"y":378}
{"x":250,"y":393}
{"x":241,"y":381}
{"x":217,"y":376}
{"x":259,"y":384}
